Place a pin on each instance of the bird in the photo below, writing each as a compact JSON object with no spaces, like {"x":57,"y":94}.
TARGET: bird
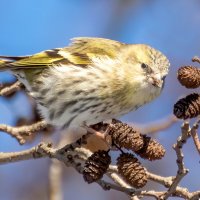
{"x":90,"y":80}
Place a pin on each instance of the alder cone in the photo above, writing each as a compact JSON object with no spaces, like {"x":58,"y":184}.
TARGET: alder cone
{"x":125,"y":136}
{"x":189,"y":76}
{"x":96,"y":166}
{"x":131,"y":170}
{"x":152,"y":150}
{"x":187,"y":107}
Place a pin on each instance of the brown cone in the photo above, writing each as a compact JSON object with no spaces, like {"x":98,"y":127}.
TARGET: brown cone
{"x":187,"y":107}
{"x":96,"y":166}
{"x":189,"y":76}
{"x":151,"y":150}
{"x":125,"y":136}
{"x":131,"y":170}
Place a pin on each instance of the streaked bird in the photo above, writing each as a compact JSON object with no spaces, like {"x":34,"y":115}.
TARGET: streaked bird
{"x":91,"y":80}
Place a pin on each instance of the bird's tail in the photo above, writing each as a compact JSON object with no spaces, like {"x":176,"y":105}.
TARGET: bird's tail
{"x":4,"y":65}
{"x":6,"y":62}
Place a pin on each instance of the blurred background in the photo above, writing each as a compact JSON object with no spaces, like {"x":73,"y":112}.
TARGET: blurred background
{"x":28,"y":27}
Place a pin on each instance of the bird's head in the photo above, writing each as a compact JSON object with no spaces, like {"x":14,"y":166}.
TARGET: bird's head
{"x":147,"y":65}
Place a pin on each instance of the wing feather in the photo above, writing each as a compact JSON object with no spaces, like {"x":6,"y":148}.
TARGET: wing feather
{"x":80,"y":52}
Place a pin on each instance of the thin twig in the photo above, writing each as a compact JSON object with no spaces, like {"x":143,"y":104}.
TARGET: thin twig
{"x":182,"y":171}
{"x":29,"y":154}
{"x":195,"y":136}
{"x":165,"y":181}
{"x":10,"y":89}
{"x":118,"y":180}
{"x":19,"y":132}
{"x":108,"y":186}
{"x":195,"y":195}
{"x":135,"y":198}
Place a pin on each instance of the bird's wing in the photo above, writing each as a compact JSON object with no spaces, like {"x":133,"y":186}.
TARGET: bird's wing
{"x":79,"y":52}
{"x":39,"y":60}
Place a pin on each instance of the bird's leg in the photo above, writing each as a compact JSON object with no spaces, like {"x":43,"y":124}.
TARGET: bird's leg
{"x":99,"y":139}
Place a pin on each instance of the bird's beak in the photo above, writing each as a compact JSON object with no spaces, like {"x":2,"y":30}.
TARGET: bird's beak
{"x":156,"y":81}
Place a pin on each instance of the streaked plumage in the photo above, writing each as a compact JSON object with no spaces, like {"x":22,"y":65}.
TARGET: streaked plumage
{"x":91,"y":80}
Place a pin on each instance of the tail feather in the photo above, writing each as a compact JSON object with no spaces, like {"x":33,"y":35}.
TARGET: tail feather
{"x":5,"y":62}
{"x":4,"y":65}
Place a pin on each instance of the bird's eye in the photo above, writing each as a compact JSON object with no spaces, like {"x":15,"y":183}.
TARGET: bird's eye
{"x":144,"y":66}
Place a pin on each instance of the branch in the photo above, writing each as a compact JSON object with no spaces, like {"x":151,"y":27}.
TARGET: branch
{"x":165,"y":181}
{"x":195,"y":136}
{"x":182,"y":171}
{"x":55,"y":180}
{"x":12,"y":157}
{"x":72,"y":155}
{"x":19,"y":132}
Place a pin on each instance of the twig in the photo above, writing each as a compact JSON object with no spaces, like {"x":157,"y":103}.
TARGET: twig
{"x":41,"y":150}
{"x":165,"y":181}
{"x":134,"y":198}
{"x":195,"y":195}
{"x":74,"y":156}
{"x":108,"y":186}
{"x":12,"y":157}
{"x":70,"y":160}
{"x":118,"y":180}
{"x":195,"y":136}
{"x":69,"y":155}
{"x":182,"y":171}
{"x":19,"y":132}
{"x":113,"y":174}
{"x":10,"y":89}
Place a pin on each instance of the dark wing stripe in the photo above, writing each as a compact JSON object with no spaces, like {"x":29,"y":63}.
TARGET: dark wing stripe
{"x":53,"y":53}
{"x":63,"y":61}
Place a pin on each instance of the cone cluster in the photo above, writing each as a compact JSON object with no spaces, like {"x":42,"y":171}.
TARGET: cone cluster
{"x":126,"y":137}
{"x":189,"y":76}
{"x":96,"y":166}
{"x":131,"y":170}
{"x":188,"y":107}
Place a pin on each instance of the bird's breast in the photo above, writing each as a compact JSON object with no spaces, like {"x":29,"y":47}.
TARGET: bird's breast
{"x":140,"y":97}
